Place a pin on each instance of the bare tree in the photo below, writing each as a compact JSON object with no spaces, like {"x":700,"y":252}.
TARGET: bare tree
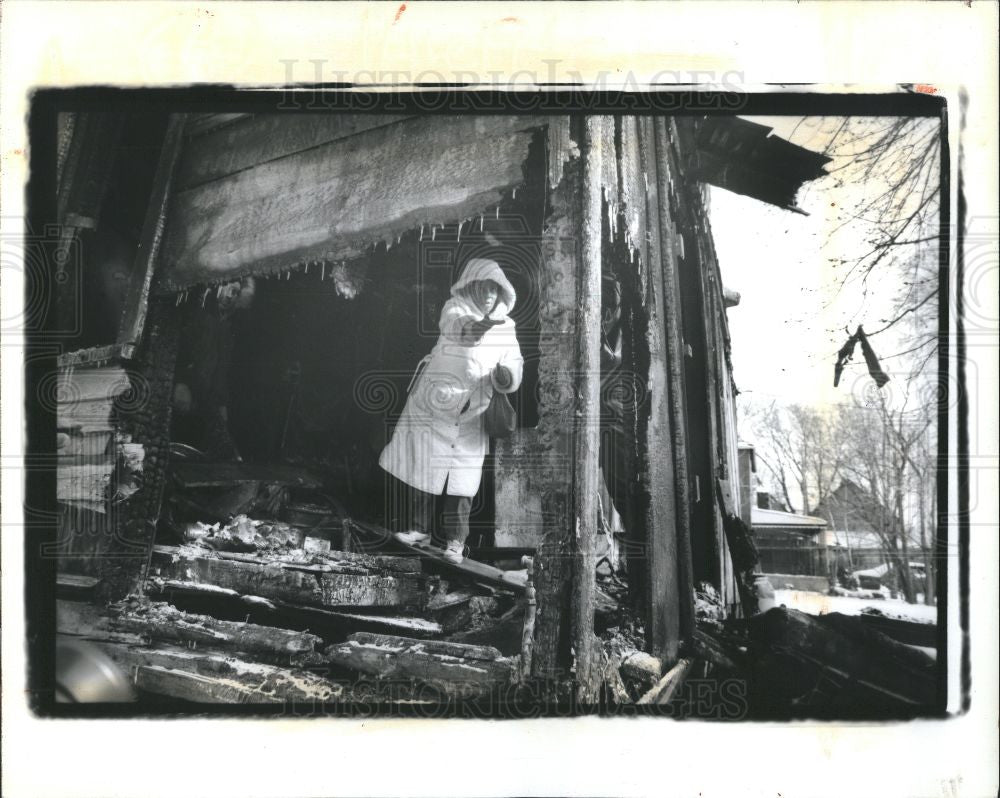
{"x":887,"y":454}
{"x":893,"y":168}
{"x":800,"y":448}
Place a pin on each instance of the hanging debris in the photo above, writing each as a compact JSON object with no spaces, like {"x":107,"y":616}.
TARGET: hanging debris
{"x":846,"y":352}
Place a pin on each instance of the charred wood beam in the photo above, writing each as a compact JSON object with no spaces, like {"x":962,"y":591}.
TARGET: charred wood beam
{"x":455,"y":670}
{"x":141,"y":279}
{"x":587,"y":442}
{"x":317,"y":585}
{"x":675,"y":363}
{"x":213,"y":675}
{"x":329,"y":623}
{"x":848,"y":645}
{"x":160,"y":621}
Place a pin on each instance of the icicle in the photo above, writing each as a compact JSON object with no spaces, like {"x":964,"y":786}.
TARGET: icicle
{"x":205,"y":296}
{"x":498,"y":211}
{"x":458,"y":237}
{"x":322,"y":274}
{"x":218,"y":290}
{"x":513,"y":194}
{"x":178,"y":300}
{"x":421,"y":233}
{"x":433,"y":232}
{"x":307,"y":267}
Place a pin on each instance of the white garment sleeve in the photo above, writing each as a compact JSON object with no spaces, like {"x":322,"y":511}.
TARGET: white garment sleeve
{"x":512,"y":360}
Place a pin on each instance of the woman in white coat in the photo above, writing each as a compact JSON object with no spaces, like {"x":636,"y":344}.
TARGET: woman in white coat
{"x":440,"y":441}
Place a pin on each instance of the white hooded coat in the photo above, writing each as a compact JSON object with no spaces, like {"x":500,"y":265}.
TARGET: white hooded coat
{"x":441,"y":436}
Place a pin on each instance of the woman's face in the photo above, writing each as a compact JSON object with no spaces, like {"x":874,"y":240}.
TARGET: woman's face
{"x":484,"y":294}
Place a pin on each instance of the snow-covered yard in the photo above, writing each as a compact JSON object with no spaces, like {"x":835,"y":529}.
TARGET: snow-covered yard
{"x":820,"y":603}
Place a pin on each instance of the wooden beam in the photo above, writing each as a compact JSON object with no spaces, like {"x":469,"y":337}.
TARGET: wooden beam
{"x":339,"y":199}
{"x":230,"y":143}
{"x":141,"y":279}
{"x":160,"y":621}
{"x":657,"y":473}
{"x":272,"y":684}
{"x":316,"y":586}
{"x":587,"y":438}
{"x":193,"y":687}
{"x":451,"y":672}
{"x":675,"y":378}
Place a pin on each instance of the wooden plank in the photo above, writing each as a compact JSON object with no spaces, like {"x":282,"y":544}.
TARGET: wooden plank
{"x":469,"y":569}
{"x":160,"y":621}
{"x":76,"y":581}
{"x":658,"y":474}
{"x":141,"y":277}
{"x":88,"y":483}
{"x":333,"y":202}
{"x":207,"y":475}
{"x":587,"y":416}
{"x":97,"y":355}
{"x":550,"y":468}
{"x":399,"y":658}
{"x":298,"y":616}
{"x":193,"y":687}
{"x":438,"y":647}
{"x":239,"y":143}
{"x":273,"y":684}
{"x":675,"y":380}
{"x":285,"y":582}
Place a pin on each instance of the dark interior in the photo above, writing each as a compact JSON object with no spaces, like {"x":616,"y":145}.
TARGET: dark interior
{"x":106,"y":254}
{"x":320,"y":365}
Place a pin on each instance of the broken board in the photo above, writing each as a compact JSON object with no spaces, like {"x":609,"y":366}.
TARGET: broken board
{"x":470,"y":570}
{"x":473,"y":570}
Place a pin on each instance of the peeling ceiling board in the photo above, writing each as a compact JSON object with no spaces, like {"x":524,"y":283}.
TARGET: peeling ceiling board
{"x":335,"y":201}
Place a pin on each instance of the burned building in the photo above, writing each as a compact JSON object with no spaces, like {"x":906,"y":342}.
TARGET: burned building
{"x":257,"y":290}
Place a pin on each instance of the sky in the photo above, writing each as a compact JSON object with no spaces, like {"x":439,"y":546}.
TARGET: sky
{"x":791,"y":319}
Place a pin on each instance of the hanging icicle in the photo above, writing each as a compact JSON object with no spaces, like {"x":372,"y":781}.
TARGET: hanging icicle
{"x":513,"y":194}
{"x":421,"y":233}
{"x":498,"y":211}
{"x":322,"y":274}
{"x":307,"y":268}
{"x":433,"y":232}
{"x":458,"y":236}
{"x":480,"y":223}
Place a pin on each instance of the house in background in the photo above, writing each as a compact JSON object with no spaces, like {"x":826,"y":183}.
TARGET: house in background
{"x":861,"y":537}
{"x":791,"y":545}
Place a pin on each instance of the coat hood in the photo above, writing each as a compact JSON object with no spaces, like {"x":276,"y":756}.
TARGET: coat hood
{"x":485,"y":269}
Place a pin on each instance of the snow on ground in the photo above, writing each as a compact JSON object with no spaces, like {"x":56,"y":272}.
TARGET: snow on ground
{"x":820,"y":604}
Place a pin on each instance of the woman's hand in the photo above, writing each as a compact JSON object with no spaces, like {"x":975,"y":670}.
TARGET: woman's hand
{"x":503,"y":377}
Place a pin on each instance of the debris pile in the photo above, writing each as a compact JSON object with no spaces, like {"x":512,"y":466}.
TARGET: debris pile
{"x":244,"y":612}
